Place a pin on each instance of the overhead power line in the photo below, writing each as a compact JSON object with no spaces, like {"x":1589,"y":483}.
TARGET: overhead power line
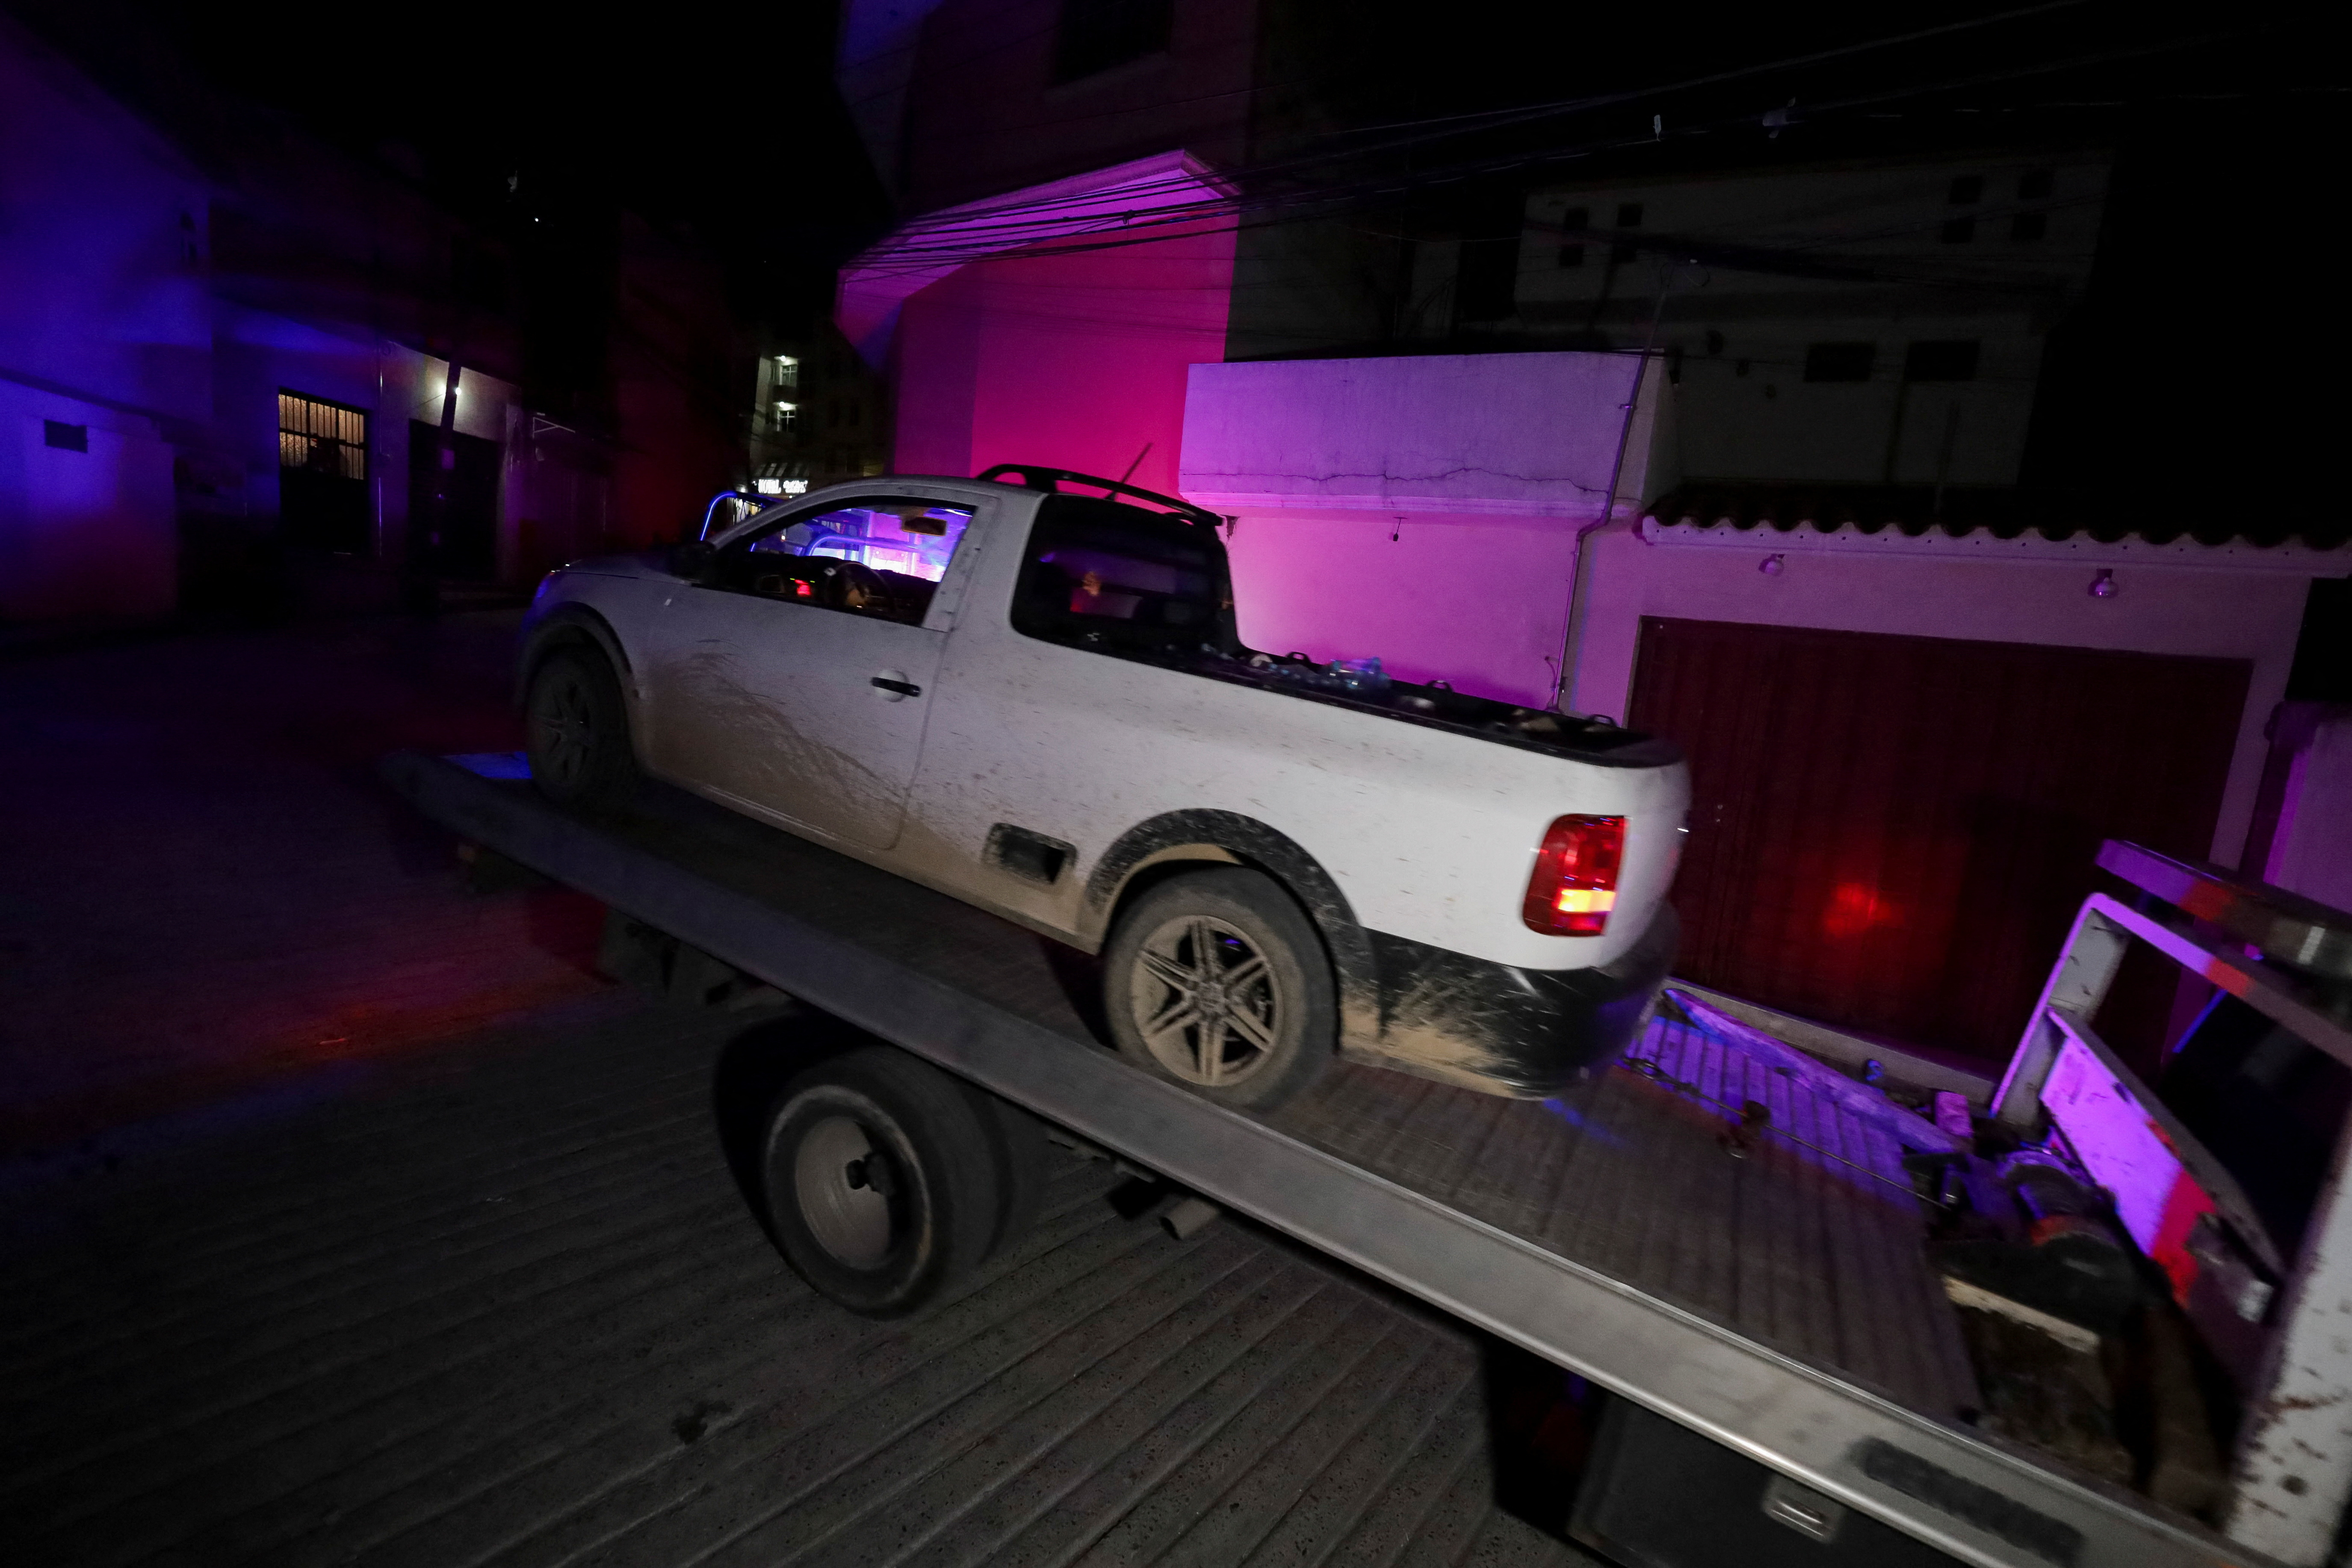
{"x":971,"y":233}
{"x":1041,"y":228}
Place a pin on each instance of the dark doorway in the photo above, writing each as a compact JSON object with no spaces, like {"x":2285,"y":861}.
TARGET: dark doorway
{"x":322,"y":475}
{"x":1893,"y":833}
{"x":466,"y":545}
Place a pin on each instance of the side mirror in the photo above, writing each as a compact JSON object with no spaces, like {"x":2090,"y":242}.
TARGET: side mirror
{"x":693,"y":559}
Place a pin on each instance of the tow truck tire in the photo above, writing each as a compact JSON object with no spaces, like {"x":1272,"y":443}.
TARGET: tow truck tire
{"x":1217,"y":980}
{"x":1027,"y":1155}
{"x":577,"y":730}
{"x":884,"y":1180}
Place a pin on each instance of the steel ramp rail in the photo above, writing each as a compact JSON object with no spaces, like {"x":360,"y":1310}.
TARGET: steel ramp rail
{"x":1931,"y":1478}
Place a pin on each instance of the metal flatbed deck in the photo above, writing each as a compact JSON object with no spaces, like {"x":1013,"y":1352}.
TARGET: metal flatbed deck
{"x":1778,"y":1302}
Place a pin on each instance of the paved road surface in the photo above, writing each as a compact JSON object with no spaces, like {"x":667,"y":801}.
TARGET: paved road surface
{"x":347,"y":1217}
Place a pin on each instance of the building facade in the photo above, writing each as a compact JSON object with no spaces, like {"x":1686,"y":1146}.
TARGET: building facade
{"x":1734,"y":454}
{"x":226,"y":356}
{"x":819,"y":414}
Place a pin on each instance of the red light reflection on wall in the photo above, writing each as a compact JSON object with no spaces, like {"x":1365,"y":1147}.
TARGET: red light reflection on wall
{"x":1855,"y":908}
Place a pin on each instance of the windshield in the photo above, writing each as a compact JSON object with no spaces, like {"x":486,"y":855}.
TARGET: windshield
{"x":911,"y":538}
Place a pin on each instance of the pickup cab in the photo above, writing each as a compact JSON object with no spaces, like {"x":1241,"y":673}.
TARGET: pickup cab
{"x":1027,"y":690}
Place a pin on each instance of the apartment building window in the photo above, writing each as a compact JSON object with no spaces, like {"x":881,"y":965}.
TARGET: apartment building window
{"x":1966,"y":191}
{"x":65,"y":437}
{"x":1486,"y":287}
{"x":1095,"y":35}
{"x":1944,"y":360}
{"x":1838,"y":362}
{"x":788,"y":371}
{"x":2031,"y":186}
{"x":1629,"y":216}
{"x":1573,"y":225}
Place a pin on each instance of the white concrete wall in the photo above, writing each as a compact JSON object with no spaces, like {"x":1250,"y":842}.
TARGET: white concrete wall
{"x":1481,"y":602}
{"x":2246,"y":615}
{"x":1423,"y":509}
{"x":1530,"y":435}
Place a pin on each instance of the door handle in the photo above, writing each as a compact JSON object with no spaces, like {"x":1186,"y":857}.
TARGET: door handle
{"x":895,"y":686}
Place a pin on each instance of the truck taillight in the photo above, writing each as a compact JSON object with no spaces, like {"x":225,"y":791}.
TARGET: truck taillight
{"x":1575,"y":883}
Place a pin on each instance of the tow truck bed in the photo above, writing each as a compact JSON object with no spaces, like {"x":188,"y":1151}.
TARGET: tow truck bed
{"x":1765,"y":1288}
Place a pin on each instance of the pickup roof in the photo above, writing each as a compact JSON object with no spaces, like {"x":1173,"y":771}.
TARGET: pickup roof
{"x":1035,"y":698}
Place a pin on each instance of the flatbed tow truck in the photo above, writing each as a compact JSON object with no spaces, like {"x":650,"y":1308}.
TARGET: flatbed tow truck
{"x":1738,"y":1251}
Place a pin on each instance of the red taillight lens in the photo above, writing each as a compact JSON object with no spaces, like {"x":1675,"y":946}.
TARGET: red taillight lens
{"x":1575,"y":881}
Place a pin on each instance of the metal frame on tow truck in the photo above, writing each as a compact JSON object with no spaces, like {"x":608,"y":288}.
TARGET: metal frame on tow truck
{"x":1939,"y":1482}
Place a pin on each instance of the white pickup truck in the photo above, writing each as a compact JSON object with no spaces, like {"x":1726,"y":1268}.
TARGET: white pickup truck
{"x":1032,"y":698}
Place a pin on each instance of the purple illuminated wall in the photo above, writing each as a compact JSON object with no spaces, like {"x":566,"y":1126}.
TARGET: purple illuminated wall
{"x":104,"y":344}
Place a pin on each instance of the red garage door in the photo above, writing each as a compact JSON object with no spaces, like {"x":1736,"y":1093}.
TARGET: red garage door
{"x":1892,"y":833}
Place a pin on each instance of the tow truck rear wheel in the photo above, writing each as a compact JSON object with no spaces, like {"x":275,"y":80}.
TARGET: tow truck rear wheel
{"x":887,"y":1180}
{"x":577,"y":729}
{"x":1217,"y":980}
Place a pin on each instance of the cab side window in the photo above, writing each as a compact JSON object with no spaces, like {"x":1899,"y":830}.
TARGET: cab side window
{"x":878,"y":555}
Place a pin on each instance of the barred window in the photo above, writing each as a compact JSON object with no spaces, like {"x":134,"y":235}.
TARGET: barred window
{"x":322,"y":437}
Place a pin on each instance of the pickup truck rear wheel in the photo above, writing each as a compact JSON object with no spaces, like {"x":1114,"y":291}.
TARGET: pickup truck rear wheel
{"x":884,"y":1180}
{"x":577,"y":729}
{"x":1217,"y":980}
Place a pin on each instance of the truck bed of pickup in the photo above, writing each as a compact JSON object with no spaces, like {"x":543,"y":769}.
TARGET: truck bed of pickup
{"x":1758,"y":1278}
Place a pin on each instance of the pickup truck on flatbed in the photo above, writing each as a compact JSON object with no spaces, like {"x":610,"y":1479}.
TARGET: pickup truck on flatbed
{"x":2081,"y":1320}
{"x":1761,"y":1292}
{"x":1032,"y":698}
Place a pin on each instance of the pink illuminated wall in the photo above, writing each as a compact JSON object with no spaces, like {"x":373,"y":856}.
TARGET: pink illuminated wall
{"x":1480,"y":602}
{"x":1075,"y":360}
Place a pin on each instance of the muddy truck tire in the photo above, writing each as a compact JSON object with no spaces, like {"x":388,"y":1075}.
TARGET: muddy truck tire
{"x":1217,"y":980}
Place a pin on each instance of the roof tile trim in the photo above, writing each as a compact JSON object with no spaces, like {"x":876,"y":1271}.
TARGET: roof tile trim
{"x":1984,"y":545}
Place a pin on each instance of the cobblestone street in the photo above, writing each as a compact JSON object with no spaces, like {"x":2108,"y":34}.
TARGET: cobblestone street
{"x":349,"y":1217}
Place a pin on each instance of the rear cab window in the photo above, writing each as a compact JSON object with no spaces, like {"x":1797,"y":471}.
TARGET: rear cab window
{"x":1117,"y":578}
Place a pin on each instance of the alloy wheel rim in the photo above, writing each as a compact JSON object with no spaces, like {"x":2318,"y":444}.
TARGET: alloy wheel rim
{"x":565,"y":730}
{"x":1209,"y":1011}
